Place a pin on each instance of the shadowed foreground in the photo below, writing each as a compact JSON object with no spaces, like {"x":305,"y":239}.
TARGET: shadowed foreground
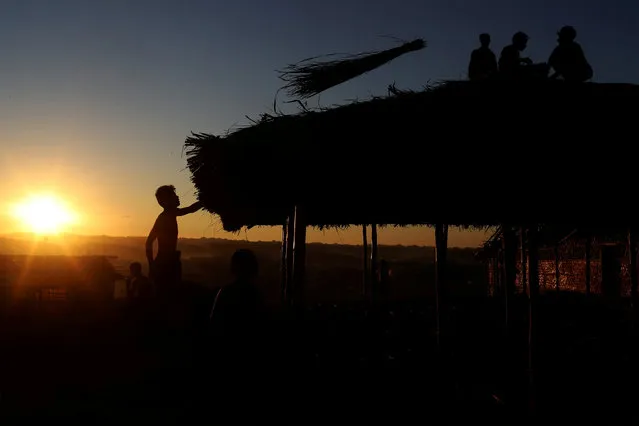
{"x":338,"y":366}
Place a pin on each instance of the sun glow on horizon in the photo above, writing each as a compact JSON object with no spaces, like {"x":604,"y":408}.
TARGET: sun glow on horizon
{"x":44,"y":214}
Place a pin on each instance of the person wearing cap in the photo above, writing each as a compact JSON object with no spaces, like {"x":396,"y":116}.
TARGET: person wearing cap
{"x":568,"y":59}
{"x":510,"y":60}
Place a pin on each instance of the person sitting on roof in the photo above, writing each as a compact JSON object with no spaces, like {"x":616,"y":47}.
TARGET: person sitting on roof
{"x":483,"y":62}
{"x":512,"y":65}
{"x":568,"y":59}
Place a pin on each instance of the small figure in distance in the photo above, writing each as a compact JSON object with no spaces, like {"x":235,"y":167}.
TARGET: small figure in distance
{"x":138,"y":286}
{"x":165,"y":268}
{"x":568,"y":59}
{"x":483,"y":62}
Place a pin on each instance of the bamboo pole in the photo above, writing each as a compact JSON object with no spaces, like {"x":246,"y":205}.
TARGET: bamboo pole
{"x":374,"y":263}
{"x":533,"y":295}
{"x":632,"y":254}
{"x":524,"y":261}
{"x":509,"y":245}
{"x":365,"y":286}
{"x":441,"y":247}
{"x":588,"y":254}
{"x":299,"y":257}
{"x":557,"y":271}
{"x":289,"y":256}
{"x":283,"y":265}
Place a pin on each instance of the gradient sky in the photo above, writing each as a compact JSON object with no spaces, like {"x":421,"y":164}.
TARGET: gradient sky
{"x":96,"y":97}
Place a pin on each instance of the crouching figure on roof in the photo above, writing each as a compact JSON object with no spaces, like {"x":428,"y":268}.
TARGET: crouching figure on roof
{"x":568,"y":59}
{"x":512,"y":65}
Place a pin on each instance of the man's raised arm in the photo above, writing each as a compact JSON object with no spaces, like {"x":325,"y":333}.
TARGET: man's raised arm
{"x":190,"y":209}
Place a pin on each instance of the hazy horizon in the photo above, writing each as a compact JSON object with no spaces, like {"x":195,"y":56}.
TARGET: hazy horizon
{"x":454,"y":236}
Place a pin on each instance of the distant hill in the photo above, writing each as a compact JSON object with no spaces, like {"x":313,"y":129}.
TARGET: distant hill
{"x":133,"y":248}
{"x":334,"y":272}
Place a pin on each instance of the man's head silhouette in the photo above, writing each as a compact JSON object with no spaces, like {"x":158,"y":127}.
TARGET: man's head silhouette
{"x":484,"y":39}
{"x":136,"y":269}
{"x":167,"y":198}
{"x":244,"y":264}
{"x":567,"y":34}
{"x":520,"y":40}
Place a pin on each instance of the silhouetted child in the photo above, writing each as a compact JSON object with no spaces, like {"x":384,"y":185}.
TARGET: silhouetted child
{"x":166,"y":268}
{"x":483,"y":62}
{"x":138,"y":286}
{"x":568,"y":59}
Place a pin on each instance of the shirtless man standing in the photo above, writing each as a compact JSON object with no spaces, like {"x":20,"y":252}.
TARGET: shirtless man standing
{"x":166,"y":268}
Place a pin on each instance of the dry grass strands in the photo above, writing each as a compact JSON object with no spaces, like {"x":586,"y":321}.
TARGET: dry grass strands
{"x":309,"y":77}
{"x":476,"y":153}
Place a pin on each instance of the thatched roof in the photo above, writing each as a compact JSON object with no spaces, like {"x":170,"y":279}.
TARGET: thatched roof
{"x":459,"y":153}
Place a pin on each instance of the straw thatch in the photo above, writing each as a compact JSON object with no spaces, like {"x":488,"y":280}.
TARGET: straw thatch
{"x":311,"y":77}
{"x":460,"y":153}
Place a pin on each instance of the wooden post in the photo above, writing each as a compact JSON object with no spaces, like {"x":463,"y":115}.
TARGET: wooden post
{"x":524,"y":261}
{"x":299,"y":257}
{"x":610,"y":272}
{"x":283,"y":265}
{"x":632,"y":254}
{"x":492,"y":273}
{"x":290,"y":236}
{"x":365,"y":285}
{"x":441,"y":247}
{"x":588,"y":254}
{"x":374,"y":263}
{"x":509,"y":245}
{"x":533,"y":295}
{"x":557,"y":271}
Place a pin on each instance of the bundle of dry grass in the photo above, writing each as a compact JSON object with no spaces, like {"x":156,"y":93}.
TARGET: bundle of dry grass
{"x":311,"y":77}
{"x":477,"y":153}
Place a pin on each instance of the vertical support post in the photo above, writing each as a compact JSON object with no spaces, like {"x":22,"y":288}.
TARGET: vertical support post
{"x":557,"y":271}
{"x":299,"y":256}
{"x":290,"y":237}
{"x":492,"y":274}
{"x":497,"y":273}
{"x":374,"y":263}
{"x":283,"y":265}
{"x":524,"y":261}
{"x":610,"y":272}
{"x":441,"y":248}
{"x":509,"y":244}
{"x":588,"y":255}
{"x":632,"y":254}
{"x":533,"y":295}
{"x":365,"y":286}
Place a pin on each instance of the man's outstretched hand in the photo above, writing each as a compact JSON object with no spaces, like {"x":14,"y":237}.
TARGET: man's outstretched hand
{"x":190,"y":209}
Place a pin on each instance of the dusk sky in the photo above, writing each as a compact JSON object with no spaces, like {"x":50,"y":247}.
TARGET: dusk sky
{"x":97,"y":97}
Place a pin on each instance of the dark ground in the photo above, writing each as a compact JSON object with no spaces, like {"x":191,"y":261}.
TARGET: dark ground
{"x":94,"y":364}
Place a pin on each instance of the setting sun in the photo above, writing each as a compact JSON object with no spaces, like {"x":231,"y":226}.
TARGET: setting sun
{"x":44,"y":214}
